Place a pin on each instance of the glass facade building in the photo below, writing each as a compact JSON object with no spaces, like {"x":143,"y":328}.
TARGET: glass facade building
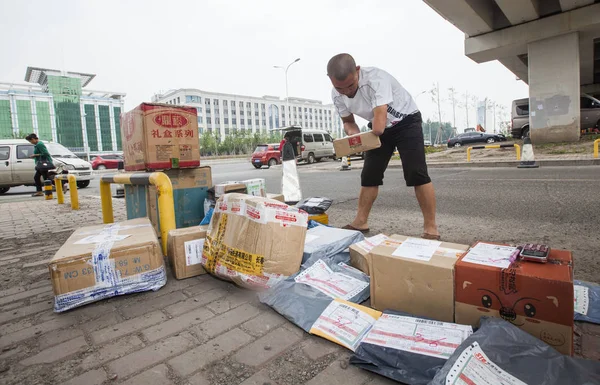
{"x":57,"y":106}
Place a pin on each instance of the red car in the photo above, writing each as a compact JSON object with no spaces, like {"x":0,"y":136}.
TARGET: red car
{"x":266,"y":155}
{"x":102,"y":162}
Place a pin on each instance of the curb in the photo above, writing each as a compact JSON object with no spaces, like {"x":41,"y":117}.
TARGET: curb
{"x":541,"y":163}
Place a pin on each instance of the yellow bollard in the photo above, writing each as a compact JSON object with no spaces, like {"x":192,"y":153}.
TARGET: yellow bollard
{"x":73,"y":192}
{"x":48,"y":190}
{"x":166,"y":207}
{"x":106,"y":201}
{"x":596,"y":142}
{"x":518,"y":149}
{"x":60,"y":196}
{"x":469,"y":154}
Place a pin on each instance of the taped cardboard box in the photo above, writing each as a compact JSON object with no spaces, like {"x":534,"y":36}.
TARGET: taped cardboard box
{"x":254,"y":241}
{"x":190,"y":189}
{"x":356,"y":143}
{"x":415,"y":276}
{"x":99,"y":262}
{"x":184,"y":250}
{"x":360,"y":252}
{"x":160,"y":137}
{"x":536,"y":297}
{"x":277,"y":197}
{"x":230,"y":187}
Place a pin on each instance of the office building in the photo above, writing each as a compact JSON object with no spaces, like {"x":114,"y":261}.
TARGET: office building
{"x":57,"y":106}
{"x":223,"y":114}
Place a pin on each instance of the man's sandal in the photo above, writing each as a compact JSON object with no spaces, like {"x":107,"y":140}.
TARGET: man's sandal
{"x":431,"y":236}
{"x":350,"y":227}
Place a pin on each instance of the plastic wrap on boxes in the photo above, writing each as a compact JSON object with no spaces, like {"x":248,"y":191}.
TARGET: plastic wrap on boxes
{"x":315,"y":205}
{"x":408,"y":349}
{"x":587,"y":302}
{"x":302,"y":297}
{"x":501,"y":353}
{"x":254,"y":241}
{"x":323,"y":242}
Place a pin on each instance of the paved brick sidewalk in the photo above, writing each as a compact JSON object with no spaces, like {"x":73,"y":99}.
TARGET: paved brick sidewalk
{"x":195,"y":331}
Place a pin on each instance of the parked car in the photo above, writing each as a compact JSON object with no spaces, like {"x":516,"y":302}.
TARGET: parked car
{"x":266,"y":155}
{"x":309,"y":145}
{"x":474,"y":137}
{"x":18,"y":169}
{"x":106,"y":161}
{"x":590,"y":115}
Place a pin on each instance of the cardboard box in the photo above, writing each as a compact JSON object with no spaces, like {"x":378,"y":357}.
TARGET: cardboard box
{"x":253,"y":241}
{"x":360,"y":252}
{"x":190,"y":189}
{"x":256,"y":187}
{"x":356,"y":143}
{"x":537,"y":297}
{"x":184,"y":250}
{"x":421,"y":287}
{"x":277,"y":197}
{"x":230,"y":187}
{"x":160,"y":137}
{"x":99,"y":262}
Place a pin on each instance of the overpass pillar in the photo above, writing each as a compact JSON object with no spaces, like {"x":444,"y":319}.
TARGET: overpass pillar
{"x":554,"y":114}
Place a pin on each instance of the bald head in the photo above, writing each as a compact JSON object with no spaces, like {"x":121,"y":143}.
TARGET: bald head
{"x":340,"y":66}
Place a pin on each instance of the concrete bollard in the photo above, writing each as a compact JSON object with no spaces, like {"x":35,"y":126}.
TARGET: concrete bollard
{"x":48,"y":190}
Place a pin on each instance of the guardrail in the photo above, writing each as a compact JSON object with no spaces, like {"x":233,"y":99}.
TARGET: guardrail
{"x":164,"y":188}
{"x":516,"y":146}
{"x":60,"y":196}
{"x":596,"y":142}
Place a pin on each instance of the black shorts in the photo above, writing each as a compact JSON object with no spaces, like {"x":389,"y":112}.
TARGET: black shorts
{"x":407,"y":137}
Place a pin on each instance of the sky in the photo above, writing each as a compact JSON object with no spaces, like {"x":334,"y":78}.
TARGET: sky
{"x":145,"y":47}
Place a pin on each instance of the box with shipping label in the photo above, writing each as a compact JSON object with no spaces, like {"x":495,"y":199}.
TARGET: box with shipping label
{"x":190,"y":189}
{"x":254,"y":241}
{"x":256,"y":187}
{"x":360,"y":252}
{"x":184,"y":250}
{"x":277,"y":197}
{"x":415,"y":276}
{"x":356,"y":143}
{"x":160,"y":137}
{"x":230,"y":187}
{"x":536,"y":297}
{"x":104,"y":261}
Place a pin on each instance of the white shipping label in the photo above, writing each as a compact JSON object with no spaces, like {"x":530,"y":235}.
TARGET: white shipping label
{"x":415,"y":335}
{"x":417,"y":248}
{"x":473,"y":367}
{"x":335,"y":285}
{"x":488,"y":254}
{"x":582,"y":299}
{"x":370,"y":243}
{"x":193,"y":251}
{"x":99,"y":238}
{"x":345,"y":324}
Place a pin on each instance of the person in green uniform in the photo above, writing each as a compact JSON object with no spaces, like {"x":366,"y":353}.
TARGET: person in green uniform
{"x":40,"y":154}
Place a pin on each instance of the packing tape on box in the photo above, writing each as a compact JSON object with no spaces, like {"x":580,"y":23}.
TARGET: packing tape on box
{"x":285,"y":216}
{"x":108,"y":280}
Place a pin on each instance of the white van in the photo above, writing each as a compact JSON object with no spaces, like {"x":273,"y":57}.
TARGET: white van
{"x":18,"y":169}
{"x":310,"y":145}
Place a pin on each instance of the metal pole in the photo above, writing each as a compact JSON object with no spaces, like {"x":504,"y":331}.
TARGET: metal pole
{"x":287,"y":101}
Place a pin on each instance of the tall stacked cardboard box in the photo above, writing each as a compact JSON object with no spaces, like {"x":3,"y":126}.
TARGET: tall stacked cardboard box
{"x":161,"y":137}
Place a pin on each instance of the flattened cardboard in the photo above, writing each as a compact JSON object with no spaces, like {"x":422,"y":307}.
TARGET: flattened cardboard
{"x":356,"y":143}
{"x":229,"y":187}
{"x":160,"y":137}
{"x":420,"y":288}
{"x":72,"y":269}
{"x":190,"y":188}
{"x":277,"y":197}
{"x":176,"y":251}
{"x":254,"y":241}
{"x":537,"y":297}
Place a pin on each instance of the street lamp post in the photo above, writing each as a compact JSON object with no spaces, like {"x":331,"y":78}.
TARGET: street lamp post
{"x":419,"y":94}
{"x":287,"y":103}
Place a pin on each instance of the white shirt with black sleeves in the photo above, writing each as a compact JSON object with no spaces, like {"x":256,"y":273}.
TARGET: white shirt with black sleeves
{"x":376,"y":88}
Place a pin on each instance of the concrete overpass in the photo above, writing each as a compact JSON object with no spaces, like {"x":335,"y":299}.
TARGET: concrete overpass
{"x":552,"y":45}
